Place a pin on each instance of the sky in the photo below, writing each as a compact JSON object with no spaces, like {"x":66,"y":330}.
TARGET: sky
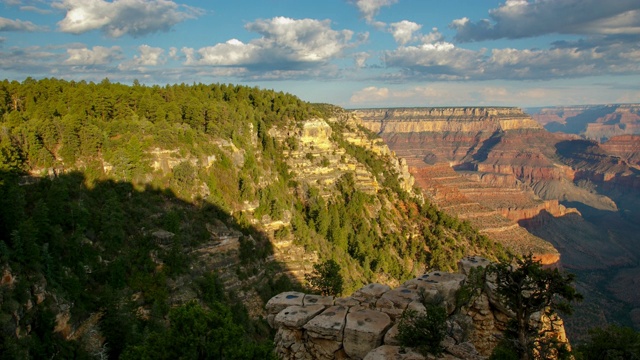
{"x":351,"y":53}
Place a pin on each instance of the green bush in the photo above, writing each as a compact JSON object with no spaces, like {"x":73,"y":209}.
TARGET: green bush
{"x":423,"y":331}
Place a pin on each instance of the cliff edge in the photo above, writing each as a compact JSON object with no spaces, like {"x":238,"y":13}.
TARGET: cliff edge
{"x":365,"y":324}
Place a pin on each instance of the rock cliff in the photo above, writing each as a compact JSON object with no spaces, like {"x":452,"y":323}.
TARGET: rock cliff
{"x":626,"y":147}
{"x":494,"y":211}
{"x":365,"y":324}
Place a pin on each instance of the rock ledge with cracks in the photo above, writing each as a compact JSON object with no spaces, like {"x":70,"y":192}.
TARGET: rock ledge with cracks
{"x":365,"y":324}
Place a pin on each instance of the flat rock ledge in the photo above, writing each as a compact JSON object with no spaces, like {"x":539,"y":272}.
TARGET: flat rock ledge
{"x":364,"y":325}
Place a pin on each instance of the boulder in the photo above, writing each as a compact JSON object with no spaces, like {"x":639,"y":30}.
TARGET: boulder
{"x":319,"y":300}
{"x":438,"y":286}
{"x":471,"y":262}
{"x":296,"y":316}
{"x":368,"y":295}
{"x":329,"y":324}
{"x":364,"y":332}
{"x":394,"y":302}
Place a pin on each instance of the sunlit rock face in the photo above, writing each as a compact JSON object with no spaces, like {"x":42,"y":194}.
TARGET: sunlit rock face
{"x":365,"y":324}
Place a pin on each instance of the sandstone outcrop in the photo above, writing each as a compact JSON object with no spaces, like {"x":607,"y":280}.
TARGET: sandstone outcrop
{"x":364,"y":325}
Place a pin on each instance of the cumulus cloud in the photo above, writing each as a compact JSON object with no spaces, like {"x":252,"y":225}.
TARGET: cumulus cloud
{"x":17,"y":25}
{"x":444,"y":60}
{"x":521,"y":18}
{"x":369,"y":8}
{"x":148,"y":56}
{"x":403,"y":31}
{"x":98,"y":55}
{"x":119,"y":17}
{"x":406,"y":31}
{"x":286,"y":44}
{"x":441,"y":60}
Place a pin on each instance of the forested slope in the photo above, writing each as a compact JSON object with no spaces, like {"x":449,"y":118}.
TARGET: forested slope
{"x":131,"y":213}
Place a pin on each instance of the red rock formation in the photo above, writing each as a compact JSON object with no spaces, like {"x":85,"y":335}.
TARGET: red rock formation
{"x":487,"y":208}
{"x":626,"y":147}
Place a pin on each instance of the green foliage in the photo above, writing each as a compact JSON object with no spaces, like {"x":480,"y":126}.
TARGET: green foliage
{"x":423,"y":330}
{"x":326,"y":278}
{"x":610,"y":343}
{"x":198,"y":333}
{"x":470,"y":288}
{"x":526,"y":288}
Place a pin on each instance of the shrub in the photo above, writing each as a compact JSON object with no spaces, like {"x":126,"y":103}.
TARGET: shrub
{"x":423,"y":331}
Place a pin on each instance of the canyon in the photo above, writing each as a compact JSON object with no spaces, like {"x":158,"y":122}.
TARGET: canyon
{"x":501,"y":170}
{"x":595,"y":122}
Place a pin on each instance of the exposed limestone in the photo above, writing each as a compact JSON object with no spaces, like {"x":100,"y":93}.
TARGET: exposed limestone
{"x":365,"y":325}
{"x":296,"y":316}
{"x":412,"y":120}
{"x":364,"y":331}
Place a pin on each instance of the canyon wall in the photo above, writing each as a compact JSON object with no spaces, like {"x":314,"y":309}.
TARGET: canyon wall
{"x":519,"y":183}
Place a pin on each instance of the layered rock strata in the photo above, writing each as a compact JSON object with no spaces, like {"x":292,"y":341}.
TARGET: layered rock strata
{"x":365,"y":324}
{"x":626,"y":147}
{"x":494,"y":211}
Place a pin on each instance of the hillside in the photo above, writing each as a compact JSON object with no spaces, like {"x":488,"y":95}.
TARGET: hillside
{"x":503,"y":172}
{"x":127,"y":212}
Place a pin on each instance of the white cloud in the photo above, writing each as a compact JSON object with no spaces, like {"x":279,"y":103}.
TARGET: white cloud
{"x":149,"y":56}
{"x":403,"y":31}
{"x":120,"y":17}
{"x":286,"y":44}
{"x":99,"y":55}
{"x":519,"y":19}
{"x":442,"y":60}
{"x":17,"y":25}
{"x":439,"y":60}
{"x":369,"y":8}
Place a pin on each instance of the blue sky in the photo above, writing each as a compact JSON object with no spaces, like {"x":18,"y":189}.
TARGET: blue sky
{"x":353,"y":53}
